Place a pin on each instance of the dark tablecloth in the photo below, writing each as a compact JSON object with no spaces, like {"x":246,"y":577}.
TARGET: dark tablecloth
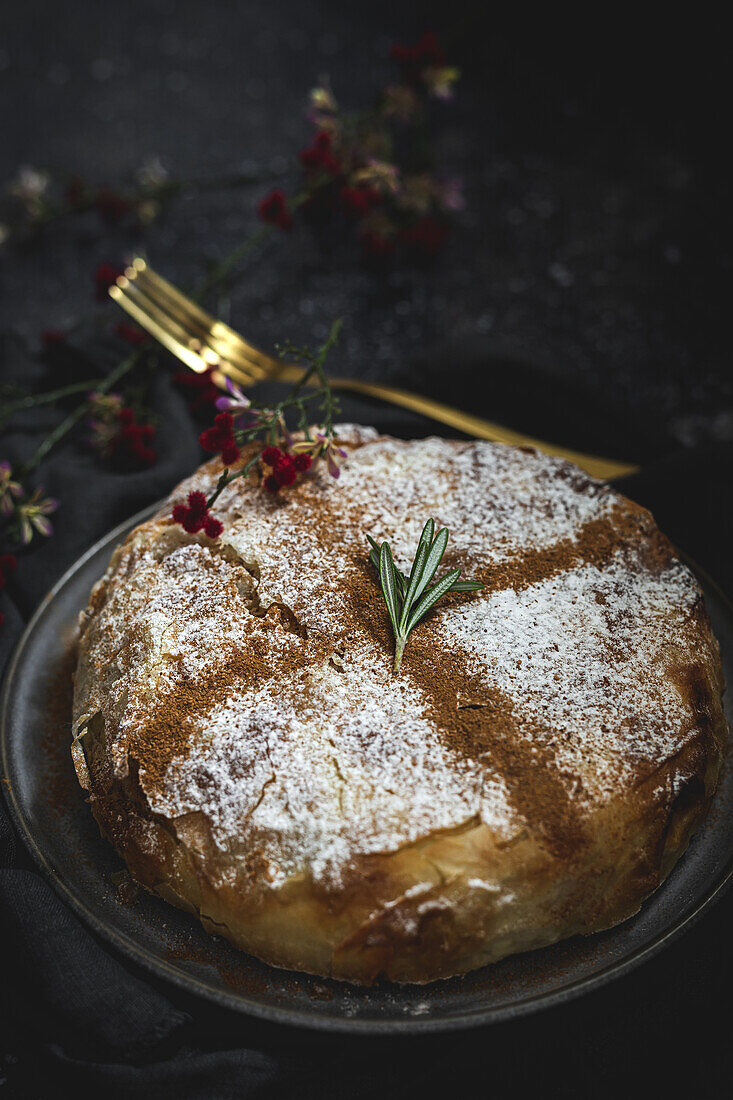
{"x":78,"y":1016}
{"x":582,"y":298}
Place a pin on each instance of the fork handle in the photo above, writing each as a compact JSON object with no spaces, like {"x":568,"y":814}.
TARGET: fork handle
{"x":602,"y":468}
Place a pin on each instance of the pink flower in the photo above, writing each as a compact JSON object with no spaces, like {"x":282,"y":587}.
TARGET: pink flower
{"x":32,"y":516}
{"x":440,"y":81}
{"x":104,"y":409}
{"x":450,"y":193}
{"x":380,"y":174}
{"x":322,"y":446}
{"x":237,"y":403}
{"x":10,"y":490}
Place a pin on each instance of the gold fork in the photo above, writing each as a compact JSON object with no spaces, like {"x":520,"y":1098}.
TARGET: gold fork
{"x":200,"y":341}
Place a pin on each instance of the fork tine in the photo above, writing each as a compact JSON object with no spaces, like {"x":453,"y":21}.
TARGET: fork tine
{"x":186,"y":334}
{"x":145,"y":276}
{"x":221,"y":337}
{"x":191,"y":358}
{"x":160,"y":325}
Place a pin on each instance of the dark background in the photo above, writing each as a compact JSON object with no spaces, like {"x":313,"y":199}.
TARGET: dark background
{"x":584,"y":296}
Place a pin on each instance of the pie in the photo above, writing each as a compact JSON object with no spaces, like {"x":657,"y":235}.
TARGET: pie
{"x":533,"y":772}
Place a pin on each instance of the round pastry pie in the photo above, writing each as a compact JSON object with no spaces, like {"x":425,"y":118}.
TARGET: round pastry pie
{"x":533,"y":772}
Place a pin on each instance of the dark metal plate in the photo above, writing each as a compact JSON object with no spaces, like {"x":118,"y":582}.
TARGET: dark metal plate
{"x":58,"y":828}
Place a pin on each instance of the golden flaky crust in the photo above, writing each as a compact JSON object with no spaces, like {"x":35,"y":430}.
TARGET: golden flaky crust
{"x":534,"y":772}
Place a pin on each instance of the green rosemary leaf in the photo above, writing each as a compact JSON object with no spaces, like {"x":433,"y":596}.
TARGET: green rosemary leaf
{"x":436,"y":553}
{"x":399,"y":575}
{"x":432,"y":595}
{"x":387,"y":578}
{"x":467,"y":586}
{"x":416,"y":572}
{"x":374,"y":553}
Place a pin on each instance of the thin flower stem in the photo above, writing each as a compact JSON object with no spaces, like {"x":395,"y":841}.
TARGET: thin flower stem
{"x":267,"y":426}
{"x":31,"y":400}
{"x":215,"y":278}
{"x":222,"y":269}
{"x":76,"y":415}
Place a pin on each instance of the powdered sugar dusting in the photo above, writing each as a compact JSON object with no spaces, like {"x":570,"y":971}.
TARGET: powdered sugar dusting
{"x":321,"y":775}
{"x":326,"y":755}
{"x":586,"y":657}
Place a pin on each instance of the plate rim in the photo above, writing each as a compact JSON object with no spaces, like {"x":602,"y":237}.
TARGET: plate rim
{"x":296,"y":1017}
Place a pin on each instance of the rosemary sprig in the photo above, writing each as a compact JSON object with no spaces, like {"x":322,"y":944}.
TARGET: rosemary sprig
{"x":408,"y":599}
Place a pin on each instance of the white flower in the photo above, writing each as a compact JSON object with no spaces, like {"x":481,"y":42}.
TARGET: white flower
{"x":152,"y":173}
{"x":30,"y":185}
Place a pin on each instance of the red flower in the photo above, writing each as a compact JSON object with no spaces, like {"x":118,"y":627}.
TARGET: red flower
{"x":74,"y":192}
{"x":426,"y":237}
{"x":271,"y":456}
{"x":319,"y":158}
{"x":358,"y":201}
{"x":202,"y":390}
{"x":51,"y":337}
{"x":110,"y":206}
{"x":104,"y":276}
{"x":274,"y":210}
{"x":413,"y":59}
{"x":196,"y":516}
{"x":8,"y":563}
{"x":285,"y":467}
{"x":134,"y":439}
{"x":285,"y":472}
{"x":213,"y":527}
{"x":131,"y":333}
{"x":220,"y":438}
{"x":377,"y":247}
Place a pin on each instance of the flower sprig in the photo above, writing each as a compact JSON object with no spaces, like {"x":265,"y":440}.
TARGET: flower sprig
{"x":37,"y":198}
{"x":282,"y":458}
{"x":375,"y":168}
{"x":409,"y":599}
{"x":23,"y":513}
